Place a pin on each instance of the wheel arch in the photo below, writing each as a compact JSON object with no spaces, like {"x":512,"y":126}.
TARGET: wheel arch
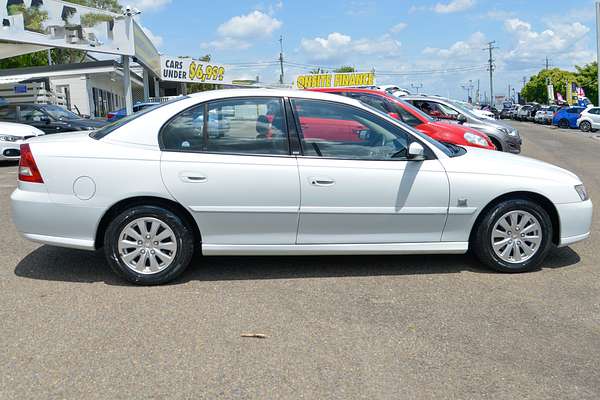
{"x":125,"y":204}
{"x":537,"y":198}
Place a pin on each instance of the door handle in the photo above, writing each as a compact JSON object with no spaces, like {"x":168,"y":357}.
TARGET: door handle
{"x":321,"y":181}
{"x":192,"y":177}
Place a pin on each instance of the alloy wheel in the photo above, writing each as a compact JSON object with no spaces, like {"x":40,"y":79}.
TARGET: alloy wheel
{"x":585,"y":126}
{"x":147,"y":245}
{"x":516,"y":237}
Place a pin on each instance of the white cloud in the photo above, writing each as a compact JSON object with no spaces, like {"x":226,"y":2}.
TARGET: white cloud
{"x":453,"y":6}
{"x":240,"y":31}
{"x":461,"y":50}
{"x":564,"y":43}
{"x":254,"y":24}
{"x":146,"y":5}
{"x":337,"y":47}
{"x":398,"y":27}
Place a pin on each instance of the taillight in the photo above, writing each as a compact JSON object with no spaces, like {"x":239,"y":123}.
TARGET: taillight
{"x":110,"y":116}
{"x":28,"y":170}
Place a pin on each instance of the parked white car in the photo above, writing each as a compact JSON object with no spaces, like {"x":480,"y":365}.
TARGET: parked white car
{"x":313,"y":174}
{"x":12,"y":135}
{"x":589,"y":120}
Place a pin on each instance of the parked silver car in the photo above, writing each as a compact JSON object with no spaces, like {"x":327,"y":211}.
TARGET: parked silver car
{"x":505,"y":137}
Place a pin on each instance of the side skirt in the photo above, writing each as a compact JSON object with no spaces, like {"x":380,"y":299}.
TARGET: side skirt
{"x":335,"y":249}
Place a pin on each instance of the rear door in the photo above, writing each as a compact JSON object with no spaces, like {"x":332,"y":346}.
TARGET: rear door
{"x":229,"y":163}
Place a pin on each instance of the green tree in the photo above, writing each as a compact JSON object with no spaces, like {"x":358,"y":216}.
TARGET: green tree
{"x":344,"y":68}
{"x":317,"y":71}
{"x":33,"y":17}
{"x":587,"y":76}
{"x":536,"y":89}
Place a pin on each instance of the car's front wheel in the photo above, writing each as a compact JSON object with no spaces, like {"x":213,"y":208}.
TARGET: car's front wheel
{"x":148,"y":245}
{"x":514,"y":236}
{"x":585,"y":126}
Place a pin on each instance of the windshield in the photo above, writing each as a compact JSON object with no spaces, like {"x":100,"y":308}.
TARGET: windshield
{"x":102,"y":132}
{"x":447,"y":149}
{"x":58,"y":112}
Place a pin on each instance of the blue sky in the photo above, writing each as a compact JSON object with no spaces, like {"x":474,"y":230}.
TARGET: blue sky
{"x":406,"y":41}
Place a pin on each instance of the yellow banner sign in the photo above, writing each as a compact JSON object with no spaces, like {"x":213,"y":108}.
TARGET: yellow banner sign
{"x":335,"y":80}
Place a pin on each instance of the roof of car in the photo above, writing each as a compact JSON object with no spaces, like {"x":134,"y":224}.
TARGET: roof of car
{"x":265,"y":92}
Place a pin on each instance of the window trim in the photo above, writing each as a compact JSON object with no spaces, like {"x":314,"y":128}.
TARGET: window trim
{"x":205,"y":105}
{"x":429,"y":154}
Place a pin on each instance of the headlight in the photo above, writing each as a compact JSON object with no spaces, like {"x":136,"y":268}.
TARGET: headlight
{"x":9,"y":138}
{"x":475,"y":139}
{"x":581,"y":190}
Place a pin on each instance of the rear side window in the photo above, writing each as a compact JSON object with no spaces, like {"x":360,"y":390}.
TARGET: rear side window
{"x":107,"y":129}
{"x":232,"y":126}
{"x":8,"y":113}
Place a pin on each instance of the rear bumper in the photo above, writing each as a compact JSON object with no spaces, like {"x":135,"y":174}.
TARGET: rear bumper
{"x":38,"y":219}
{"x":575,"y":221}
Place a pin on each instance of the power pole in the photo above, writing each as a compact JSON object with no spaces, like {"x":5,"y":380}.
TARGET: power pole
{"x":508,"y":91}
{"x":547,"y":64}
{"x":417,"y":86}
{"x":468,"y":87}
{"x":491,"y":48}
{"x":478,"y":93}
{"x":281,"y":59}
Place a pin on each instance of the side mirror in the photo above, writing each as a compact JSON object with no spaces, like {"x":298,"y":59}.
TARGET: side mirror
{"x":416,"y":152}
{"x":45,"y":120}
{"x":461,"y":119}
{"x":394,"y":115}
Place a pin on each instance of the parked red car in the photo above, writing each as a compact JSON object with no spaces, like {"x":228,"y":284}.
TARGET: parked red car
{"x":403,"y":111}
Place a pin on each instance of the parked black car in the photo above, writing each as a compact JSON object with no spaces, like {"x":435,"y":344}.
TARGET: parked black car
{"x":47,"y":117}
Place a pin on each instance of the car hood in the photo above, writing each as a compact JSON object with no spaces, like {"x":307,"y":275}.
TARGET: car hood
{"x":455,"y":128}
{"x":479,"y":161}
{"x":11,"y":128}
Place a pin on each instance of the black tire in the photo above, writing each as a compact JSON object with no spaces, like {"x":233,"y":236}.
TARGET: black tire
{"x":585,"y":126}
{"x":496,"y":143}
{"x":563,"y":124}
{"x":184,"y":238}
{"x":481,"y":241}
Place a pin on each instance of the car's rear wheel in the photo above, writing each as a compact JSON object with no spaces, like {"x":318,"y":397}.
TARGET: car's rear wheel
{"x":563,"y":124}
{"x":149,"y":245}
{"x":514,"y":236}
{"x":585,"y":126}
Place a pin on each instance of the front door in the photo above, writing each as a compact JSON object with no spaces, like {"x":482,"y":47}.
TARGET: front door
{"x":364,"y":190}
{"x":228,"y":162}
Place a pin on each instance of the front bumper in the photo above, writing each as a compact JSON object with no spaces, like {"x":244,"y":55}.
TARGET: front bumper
{"x":575,"y":221}
{"x":10,"y":150}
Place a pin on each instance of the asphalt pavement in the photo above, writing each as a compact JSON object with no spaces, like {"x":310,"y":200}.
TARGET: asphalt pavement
{"x":393,"y":327}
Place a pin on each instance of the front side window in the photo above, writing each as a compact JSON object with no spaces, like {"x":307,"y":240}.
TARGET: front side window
{"x":335,"y":130}
{"x":233,"y":126}
{"x":436,"y":110}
